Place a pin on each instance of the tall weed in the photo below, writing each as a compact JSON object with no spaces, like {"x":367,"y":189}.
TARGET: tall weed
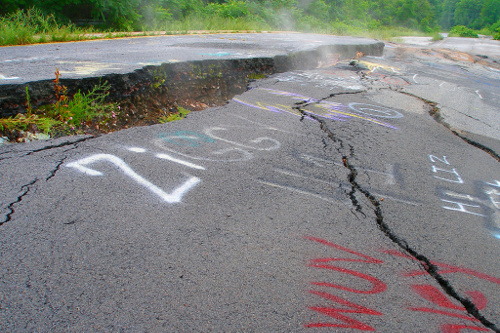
{"x":68,"y":115}
{"x":32,"y":26}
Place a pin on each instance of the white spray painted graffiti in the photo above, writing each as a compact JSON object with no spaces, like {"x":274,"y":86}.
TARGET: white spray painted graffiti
{"x":494,"y":193}
{"x":168,"y":157}
{"x":390,"y":172}
{"x":189,"y":141}
{"x":435,"y":169}
{"x":323,"y":79}
{"x":173,"y":197}
{"x":457,"y":179}
{"x":3,"y":77}
{"x":176,"y":160}
{"x":330,"y":189}
{"x":449,"y":87}
{"x":484,"y":204}
{"x":375,"y":111}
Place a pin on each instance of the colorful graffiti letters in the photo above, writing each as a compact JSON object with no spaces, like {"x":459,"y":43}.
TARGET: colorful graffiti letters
{"x":433,"y":300}
{"x":336,"y":313}
{"x":225,"y":149}
{"x":435,"y":296}
{"x":326,"y":109}
{"x":272,"y":146}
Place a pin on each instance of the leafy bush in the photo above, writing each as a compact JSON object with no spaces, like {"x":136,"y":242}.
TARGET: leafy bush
{"x":462,"y":31}
{"x":496,"y":27}
{"x":234,"y":9}
{"x":436,"y":36}
{"x":497,"y":36}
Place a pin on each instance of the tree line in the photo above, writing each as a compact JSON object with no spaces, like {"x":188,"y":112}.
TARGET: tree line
{"x":128,"y":15}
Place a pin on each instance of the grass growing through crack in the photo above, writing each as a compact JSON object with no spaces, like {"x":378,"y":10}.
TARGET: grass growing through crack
{"x":68,"y":115}
{"x":82,"y":108}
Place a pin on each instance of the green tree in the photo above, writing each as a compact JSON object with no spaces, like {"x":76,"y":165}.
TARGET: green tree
{"x":490,"y":13}
{"x":318,"y":9}
{"x":447,"y":16}
{"x":467,"y":13}
{"x":336,"y":9}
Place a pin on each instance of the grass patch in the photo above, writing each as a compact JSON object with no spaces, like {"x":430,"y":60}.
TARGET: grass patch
{"x":436,"y":36}
{"x":256,"y":76}
{"x":31,"y":26}
{"x":180,"y":114}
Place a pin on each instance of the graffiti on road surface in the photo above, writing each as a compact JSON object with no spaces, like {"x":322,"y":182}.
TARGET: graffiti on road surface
{"x":326,"y":109}
{"x":173,"y":197}
{"x":232,"y":151}
{"x":216,"y":144}
{"x":485,"y":203}
{"x":433,"y":300}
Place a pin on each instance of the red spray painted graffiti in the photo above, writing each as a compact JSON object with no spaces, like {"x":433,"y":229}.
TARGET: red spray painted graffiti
{"x":336,"y":313}
{"x":377,"y":286}
{"x":441,"y":304}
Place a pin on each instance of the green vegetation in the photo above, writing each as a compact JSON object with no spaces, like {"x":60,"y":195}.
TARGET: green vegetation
{"x":66,"y":115}
{"x":436,"y":36}
{"x":28,"y":21}
{"x":256,"y":76}
{"x":32,"y":26}
{"x":462,"y":31}
{"x":180,"y":114}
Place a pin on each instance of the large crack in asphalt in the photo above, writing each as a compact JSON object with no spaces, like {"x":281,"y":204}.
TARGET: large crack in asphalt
{"x":435,"y":112}
{"x":25,"y":189}
{"x":69,"y":142}
{"x":376,"y":206}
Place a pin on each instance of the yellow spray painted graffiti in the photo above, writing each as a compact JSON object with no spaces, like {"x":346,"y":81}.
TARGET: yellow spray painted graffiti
{"x":374,"y":66}
{"x":326,"y":109}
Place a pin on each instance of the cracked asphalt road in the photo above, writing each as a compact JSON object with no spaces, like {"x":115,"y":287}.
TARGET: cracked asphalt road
{"x":363,"y":196}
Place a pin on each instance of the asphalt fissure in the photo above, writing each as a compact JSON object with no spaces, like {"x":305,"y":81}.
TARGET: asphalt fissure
{"x":435,"y":112}
{"x":424,"y":262}
{"x":25,"y":189}
{"x":62,"y":144}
